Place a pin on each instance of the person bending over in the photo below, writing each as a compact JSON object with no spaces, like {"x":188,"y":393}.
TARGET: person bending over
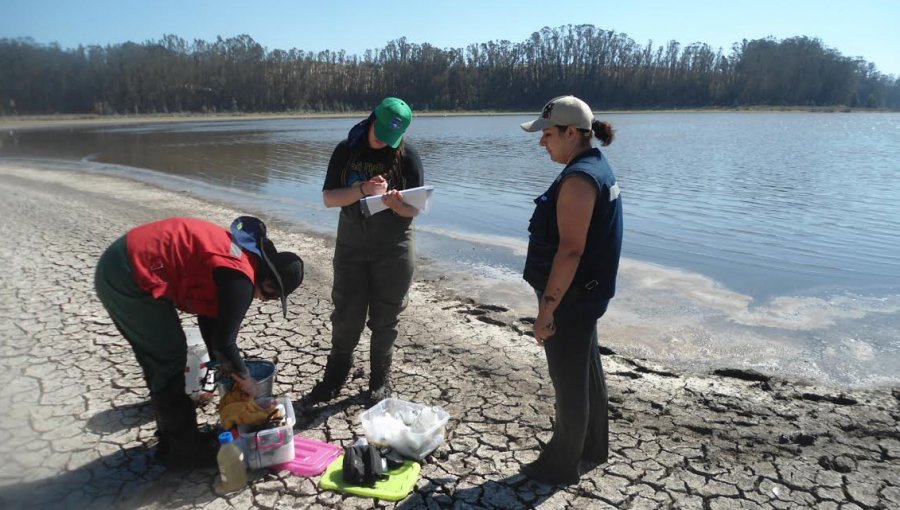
{"x":146,"y":276}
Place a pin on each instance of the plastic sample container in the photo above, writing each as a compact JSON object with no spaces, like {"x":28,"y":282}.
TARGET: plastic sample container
{"x":232,"y":471}
{"x":414,"y":430}
{"x":270,"y":446}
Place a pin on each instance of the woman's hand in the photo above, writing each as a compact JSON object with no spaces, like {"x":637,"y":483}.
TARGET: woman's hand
{"x":394,"y":200}
{"x":544,"y":327}
{"x":247,"y":384}
{"x":375,"y":186}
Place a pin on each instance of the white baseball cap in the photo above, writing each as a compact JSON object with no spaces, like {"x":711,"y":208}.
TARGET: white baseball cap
{"x":562,"y":111}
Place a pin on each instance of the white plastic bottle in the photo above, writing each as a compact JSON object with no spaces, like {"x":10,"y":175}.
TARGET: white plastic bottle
{"x":232,"y":470}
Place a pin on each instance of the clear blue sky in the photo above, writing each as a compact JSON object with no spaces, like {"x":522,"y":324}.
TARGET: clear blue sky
{"x":866,"y":28}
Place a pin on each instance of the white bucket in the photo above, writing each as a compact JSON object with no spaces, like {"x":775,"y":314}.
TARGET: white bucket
{"x":198,"y":378}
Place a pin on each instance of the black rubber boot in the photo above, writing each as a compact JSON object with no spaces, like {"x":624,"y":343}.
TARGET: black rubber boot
{"x":181,"y":444}
{"x":336,"y":371}
{"x":162,"y":444}
{"x":380,"y":380}
{"x":540,"y":473}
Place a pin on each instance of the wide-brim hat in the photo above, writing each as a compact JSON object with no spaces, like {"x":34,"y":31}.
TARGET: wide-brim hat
{"x":286,"y":268}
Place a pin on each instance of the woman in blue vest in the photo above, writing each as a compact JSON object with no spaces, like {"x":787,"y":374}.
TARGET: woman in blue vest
{"x":573,"y":257}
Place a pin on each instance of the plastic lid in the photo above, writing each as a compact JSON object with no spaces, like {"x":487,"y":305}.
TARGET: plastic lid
{"x":226,"y":437}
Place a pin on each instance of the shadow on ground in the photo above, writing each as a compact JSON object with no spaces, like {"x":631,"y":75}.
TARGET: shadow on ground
{"x":125,"y":479}
{"x":121,"y":417}
{"x":511,"y":492}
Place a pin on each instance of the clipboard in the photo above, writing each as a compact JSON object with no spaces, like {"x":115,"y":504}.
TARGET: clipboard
{"x":416,"y":197}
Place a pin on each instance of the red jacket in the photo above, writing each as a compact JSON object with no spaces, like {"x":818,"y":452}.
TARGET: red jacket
{"x":175,"y":258}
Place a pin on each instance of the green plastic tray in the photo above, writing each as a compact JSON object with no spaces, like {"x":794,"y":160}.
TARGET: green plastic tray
{"x":400,"y":482}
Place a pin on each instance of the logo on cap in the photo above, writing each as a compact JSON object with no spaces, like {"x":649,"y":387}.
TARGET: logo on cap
{"x":395,"y":123}
{"x":547,"y":110}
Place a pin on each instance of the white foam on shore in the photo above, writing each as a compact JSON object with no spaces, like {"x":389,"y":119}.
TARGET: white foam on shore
{"x":799,"y":313}
{"x":518,"y":246}
{"x":689,"y":320}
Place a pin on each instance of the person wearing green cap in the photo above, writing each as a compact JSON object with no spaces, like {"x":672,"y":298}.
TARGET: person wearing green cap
{"x":374,"y":257}
{"x":186,"y":264}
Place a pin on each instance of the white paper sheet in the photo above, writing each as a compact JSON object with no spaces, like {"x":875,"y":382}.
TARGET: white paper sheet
{"x":416,"y":197}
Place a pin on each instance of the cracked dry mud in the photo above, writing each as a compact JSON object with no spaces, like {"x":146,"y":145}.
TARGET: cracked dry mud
{"x":78,"y":431}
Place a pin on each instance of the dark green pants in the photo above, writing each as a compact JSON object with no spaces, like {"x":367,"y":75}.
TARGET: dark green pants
{"x":581,"y":428}
{"x":150,"y":325}
{"x":374,"y":284}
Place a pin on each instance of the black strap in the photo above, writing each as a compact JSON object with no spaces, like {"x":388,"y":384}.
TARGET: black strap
{"x":393,"y":458}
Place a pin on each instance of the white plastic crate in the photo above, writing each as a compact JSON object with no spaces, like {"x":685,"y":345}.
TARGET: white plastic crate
{"x":271,"y":446}
{"x":414,"y":430}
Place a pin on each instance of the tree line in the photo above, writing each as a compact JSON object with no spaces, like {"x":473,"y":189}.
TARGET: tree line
{"x":607,"y":69}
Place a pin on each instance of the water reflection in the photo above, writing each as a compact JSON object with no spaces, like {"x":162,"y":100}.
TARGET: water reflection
{"x":765,"y":203}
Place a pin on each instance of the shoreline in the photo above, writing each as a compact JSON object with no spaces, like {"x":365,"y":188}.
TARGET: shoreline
{"x":691,"y":439}
{"x":40,"y":121}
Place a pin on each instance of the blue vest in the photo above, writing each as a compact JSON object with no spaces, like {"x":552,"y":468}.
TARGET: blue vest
{"x":595,"y":278}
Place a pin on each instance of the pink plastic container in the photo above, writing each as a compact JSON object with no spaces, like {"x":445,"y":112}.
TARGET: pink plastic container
{"x":311,"y":457}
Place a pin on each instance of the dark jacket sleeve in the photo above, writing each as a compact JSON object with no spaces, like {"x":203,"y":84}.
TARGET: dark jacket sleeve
{"x":235,"y":293}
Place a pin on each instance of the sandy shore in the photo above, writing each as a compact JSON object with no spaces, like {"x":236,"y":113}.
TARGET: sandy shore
{"x":74,"y":120}
{"x":78,"y":120}
{"x":78,"y":429}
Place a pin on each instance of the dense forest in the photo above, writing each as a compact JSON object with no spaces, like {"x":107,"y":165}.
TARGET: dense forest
{"x":608,"y":69}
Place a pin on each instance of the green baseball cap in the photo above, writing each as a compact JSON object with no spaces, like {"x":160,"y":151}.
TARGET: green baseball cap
{"x":392,"y":117}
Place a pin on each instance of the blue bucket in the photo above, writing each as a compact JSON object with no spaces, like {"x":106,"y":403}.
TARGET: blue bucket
{"x":262,"y":371}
